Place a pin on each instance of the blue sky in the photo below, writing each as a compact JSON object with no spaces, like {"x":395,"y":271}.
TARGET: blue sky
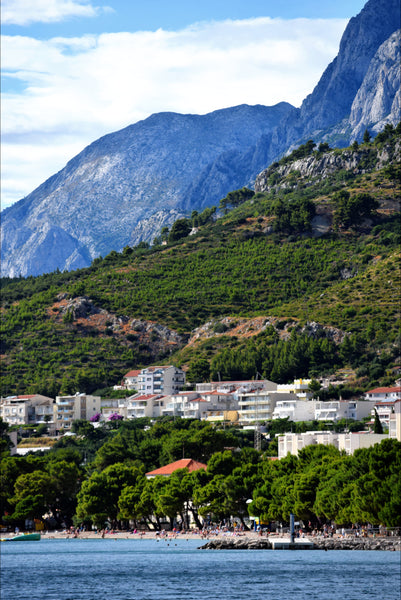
{"x":73,"y":70}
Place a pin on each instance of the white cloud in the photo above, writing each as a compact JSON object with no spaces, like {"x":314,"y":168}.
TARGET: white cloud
{"x":65,"y":93}
{"x":25,"y":12}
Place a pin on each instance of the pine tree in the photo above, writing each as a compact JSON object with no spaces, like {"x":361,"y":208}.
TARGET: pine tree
{"x":377,"y":427}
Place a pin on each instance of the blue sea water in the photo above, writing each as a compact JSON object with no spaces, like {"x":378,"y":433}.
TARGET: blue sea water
{"x":77,"y":569}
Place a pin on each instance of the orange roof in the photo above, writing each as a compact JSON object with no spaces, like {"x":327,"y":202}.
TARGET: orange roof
{"x":384,"y":390}
{"x":184,"y":463}
{"x":133,"y":373}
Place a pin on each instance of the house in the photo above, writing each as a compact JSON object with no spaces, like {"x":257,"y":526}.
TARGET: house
{"x":384,"y":394}
{"x":161,"y":380}
{"x":29,"y":409}
{"x":130,"y":380}
{"x":175,"y":403}
{"x":70,"y":408}
{"x":145,"y":405}
{"x":384,"y":411}
{"x":184,"y":463}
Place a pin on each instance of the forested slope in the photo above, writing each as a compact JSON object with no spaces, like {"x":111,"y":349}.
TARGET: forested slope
{"x":321,"y":249}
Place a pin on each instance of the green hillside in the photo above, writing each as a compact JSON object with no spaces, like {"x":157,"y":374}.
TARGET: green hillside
{"x":263,"y":259}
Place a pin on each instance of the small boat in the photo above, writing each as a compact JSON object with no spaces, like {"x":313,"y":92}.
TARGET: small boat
{"x":23,"y":537}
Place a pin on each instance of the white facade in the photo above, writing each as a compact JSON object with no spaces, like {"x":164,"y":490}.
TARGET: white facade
{"x":294,"y":442}
{"x":145,"y":405}
{"x":27,"y":410}
{"x":294,"y":409}
{"x":258,"y":405}
{"x":360,"y":439}
{"x":175,"y":403}
{"x":300,"y":387}
{"x":394,"y":430}
{"x":131,"y":380}
{"x":334,"y":410}
{"x":160,"y":380}
{"x":384,"y":411}
{"x":70,"y":408}
{"x":384,"y":394}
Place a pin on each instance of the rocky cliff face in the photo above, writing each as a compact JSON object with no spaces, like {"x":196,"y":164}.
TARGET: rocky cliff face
{"x":378,"y":100}
{"x":318,"y":167}
{"x":125,"y":186}
{"x":140,"y":175}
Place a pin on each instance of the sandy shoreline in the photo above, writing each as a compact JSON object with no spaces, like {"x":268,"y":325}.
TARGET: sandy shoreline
{"x":144,"y":535}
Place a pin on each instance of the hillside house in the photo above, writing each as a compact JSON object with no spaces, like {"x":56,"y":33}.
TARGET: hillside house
{"x":70,"y":408}
{"x":130,"y":380}
{"x":30,"y":409}
{"x":384,"y":394}
{"x":145,"y":405}
{"x":160,"y":380}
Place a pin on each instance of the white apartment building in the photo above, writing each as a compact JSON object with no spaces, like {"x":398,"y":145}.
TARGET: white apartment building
{"x":160,"y":380}
{"x":145,"y":405}
{"x":70,"y":408}
{"x":294,"y":442}
{"x":175,"y":404}
{"x":300,"y":387}
{"x":334,"y":410}
{"x":294,"y":409}
{"x":384,"y":411}
{"x":226,"y":387}
{"x":130,"y":381}
{"x":394,"y":430}
{"x":29,"y":409}
{"x":258,"y":405}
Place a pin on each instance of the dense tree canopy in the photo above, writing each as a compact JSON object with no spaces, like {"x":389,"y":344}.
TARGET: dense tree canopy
{"x":318,"y":486}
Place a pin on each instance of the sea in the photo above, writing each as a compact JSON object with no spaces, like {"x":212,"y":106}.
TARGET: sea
{"x":132,"y":569}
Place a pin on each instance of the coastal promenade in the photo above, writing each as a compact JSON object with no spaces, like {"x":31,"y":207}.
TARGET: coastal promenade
{"x":243,"y":541}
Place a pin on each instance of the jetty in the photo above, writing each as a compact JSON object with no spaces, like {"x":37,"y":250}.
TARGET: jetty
{"x":307,"y":543}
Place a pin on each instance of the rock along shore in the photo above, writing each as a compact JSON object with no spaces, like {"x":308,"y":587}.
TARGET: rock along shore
{"x":245,"y":543}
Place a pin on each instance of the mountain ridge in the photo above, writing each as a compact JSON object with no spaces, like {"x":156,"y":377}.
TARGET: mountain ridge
{"x":124,"y":187}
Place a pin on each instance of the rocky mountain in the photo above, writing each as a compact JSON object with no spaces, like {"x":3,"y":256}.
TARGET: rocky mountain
{"x":125,"y":186}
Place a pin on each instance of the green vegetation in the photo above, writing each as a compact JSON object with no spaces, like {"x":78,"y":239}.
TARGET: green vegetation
{"x":98,"y":477}
{"x":261,"y":259}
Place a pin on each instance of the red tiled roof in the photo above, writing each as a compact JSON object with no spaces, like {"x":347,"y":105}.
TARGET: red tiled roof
{"x":385,"y":390}
{"x":133,"y":373}
{"x":146,"y":397}
{"x":184,"y":463}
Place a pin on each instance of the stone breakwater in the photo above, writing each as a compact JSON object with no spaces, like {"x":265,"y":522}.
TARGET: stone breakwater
{"x":245,"y":543}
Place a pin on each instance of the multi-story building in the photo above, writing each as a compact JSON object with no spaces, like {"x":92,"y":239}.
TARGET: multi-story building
{"x":334,"y":410}
{"x":300,"y":387}
{"x":294,"y":442}
{"x":130,"y":381}
{"x":394,"y":430}
{"x":294,"y":409}
{"x":145,"y":405}
{"x":160,"y":380}
{"x":27,"y":409}
{"x":71,"y":408}
{"x":384,"y":411}
{"x":258,"y":405}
